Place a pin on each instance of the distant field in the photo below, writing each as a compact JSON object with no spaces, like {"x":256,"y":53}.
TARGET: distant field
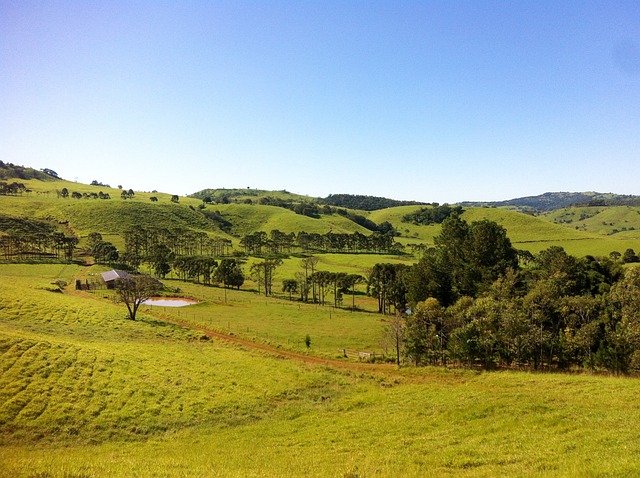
{"x":87,"y":393}
{"x":580,"y":230}
{"x":599,"y":220}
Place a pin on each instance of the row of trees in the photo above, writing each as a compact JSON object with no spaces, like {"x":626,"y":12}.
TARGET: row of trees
{"x":64,"y":193}
{"x":24,"y":238}
{"x":159,"y":245}
{"x":318,"y":285}
{"x":277,"y":242}
{"x":365,"y":203}
{"x":12,"y":189}
{"x":207,"y":270}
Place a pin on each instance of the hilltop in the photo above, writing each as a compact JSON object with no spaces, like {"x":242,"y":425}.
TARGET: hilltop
{"x":552,"y":201}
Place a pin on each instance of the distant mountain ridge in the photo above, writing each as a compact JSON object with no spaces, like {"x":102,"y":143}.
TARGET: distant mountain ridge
{"x":551,"y":201}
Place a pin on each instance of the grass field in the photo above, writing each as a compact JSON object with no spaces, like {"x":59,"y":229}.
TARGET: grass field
{"x":86,"y":393}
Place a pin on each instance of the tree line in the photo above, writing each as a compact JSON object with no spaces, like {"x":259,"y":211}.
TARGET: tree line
{"x":65,"y":193}
{"x":12,"y":189}
{"x":25,"y":239}
{"x":277,"y":242}
{"x":365,"y":203}
{"x":157,"y":247}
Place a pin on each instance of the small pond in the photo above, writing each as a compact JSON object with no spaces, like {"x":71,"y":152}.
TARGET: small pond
{"x":169,"y":301}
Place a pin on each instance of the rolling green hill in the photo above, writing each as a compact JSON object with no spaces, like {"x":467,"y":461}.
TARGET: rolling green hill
{"x":594,"y":230}
{"x":526,"y":231}
{"x":603,"y":220}
{"x":250,"y":218}
{"x":86,"y":393}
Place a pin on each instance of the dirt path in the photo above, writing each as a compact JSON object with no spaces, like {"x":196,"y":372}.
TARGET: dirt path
{"x":310,"y":359}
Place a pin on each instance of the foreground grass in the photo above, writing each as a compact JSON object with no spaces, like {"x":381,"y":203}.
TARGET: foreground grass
{"x":86,"y":393}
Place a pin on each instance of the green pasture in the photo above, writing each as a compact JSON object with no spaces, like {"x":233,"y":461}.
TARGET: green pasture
{"x":280,"y":322}
{"x":598,"y":219}
{"x":86,"y":393}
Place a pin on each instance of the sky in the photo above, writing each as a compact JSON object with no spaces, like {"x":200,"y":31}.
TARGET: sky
{"x":435,"y":101}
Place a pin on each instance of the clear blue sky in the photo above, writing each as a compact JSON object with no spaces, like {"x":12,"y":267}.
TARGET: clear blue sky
{"x":428,"y":100}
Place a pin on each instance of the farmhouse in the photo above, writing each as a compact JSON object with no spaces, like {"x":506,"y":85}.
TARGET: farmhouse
{"x":110,"y":277}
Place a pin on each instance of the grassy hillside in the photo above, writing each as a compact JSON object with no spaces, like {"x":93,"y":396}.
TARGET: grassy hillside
{"x":535,"y":233}
{"x":599,"y":220}
{"x":86,"y":393}
{"x":581,"y":231}
{"x":250,"y":218}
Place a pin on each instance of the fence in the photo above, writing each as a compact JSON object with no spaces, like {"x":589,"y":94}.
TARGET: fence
{"x":368,"y":356}
{"x":90,"y":285}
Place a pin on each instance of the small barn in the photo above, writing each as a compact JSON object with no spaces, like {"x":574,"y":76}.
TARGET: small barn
{"x":110,"y":277}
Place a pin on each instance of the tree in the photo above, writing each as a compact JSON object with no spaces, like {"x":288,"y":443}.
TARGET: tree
{"x":51,"y":172}
{"x":262,"y":273}
{"x":160,"y":257}
{"x":309,"y":265}
{"x":104,"y":252}
{"x":424,"y":337}
{"x":393,"y":335}
{"x":134,"y":290}
{"x":93,"y":238}
{"x":350,"y":282}
{"x":229,"y":272}
{"x":290,"y":286}
{"x":630,"y":256}
{"x":388,"y":282}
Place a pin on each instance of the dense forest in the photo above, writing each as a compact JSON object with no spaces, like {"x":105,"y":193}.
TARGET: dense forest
{"x":473,"y":303}
{"x":365,"y":203}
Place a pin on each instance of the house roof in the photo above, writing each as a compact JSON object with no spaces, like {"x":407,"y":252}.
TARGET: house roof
{"x":113,"y":275}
